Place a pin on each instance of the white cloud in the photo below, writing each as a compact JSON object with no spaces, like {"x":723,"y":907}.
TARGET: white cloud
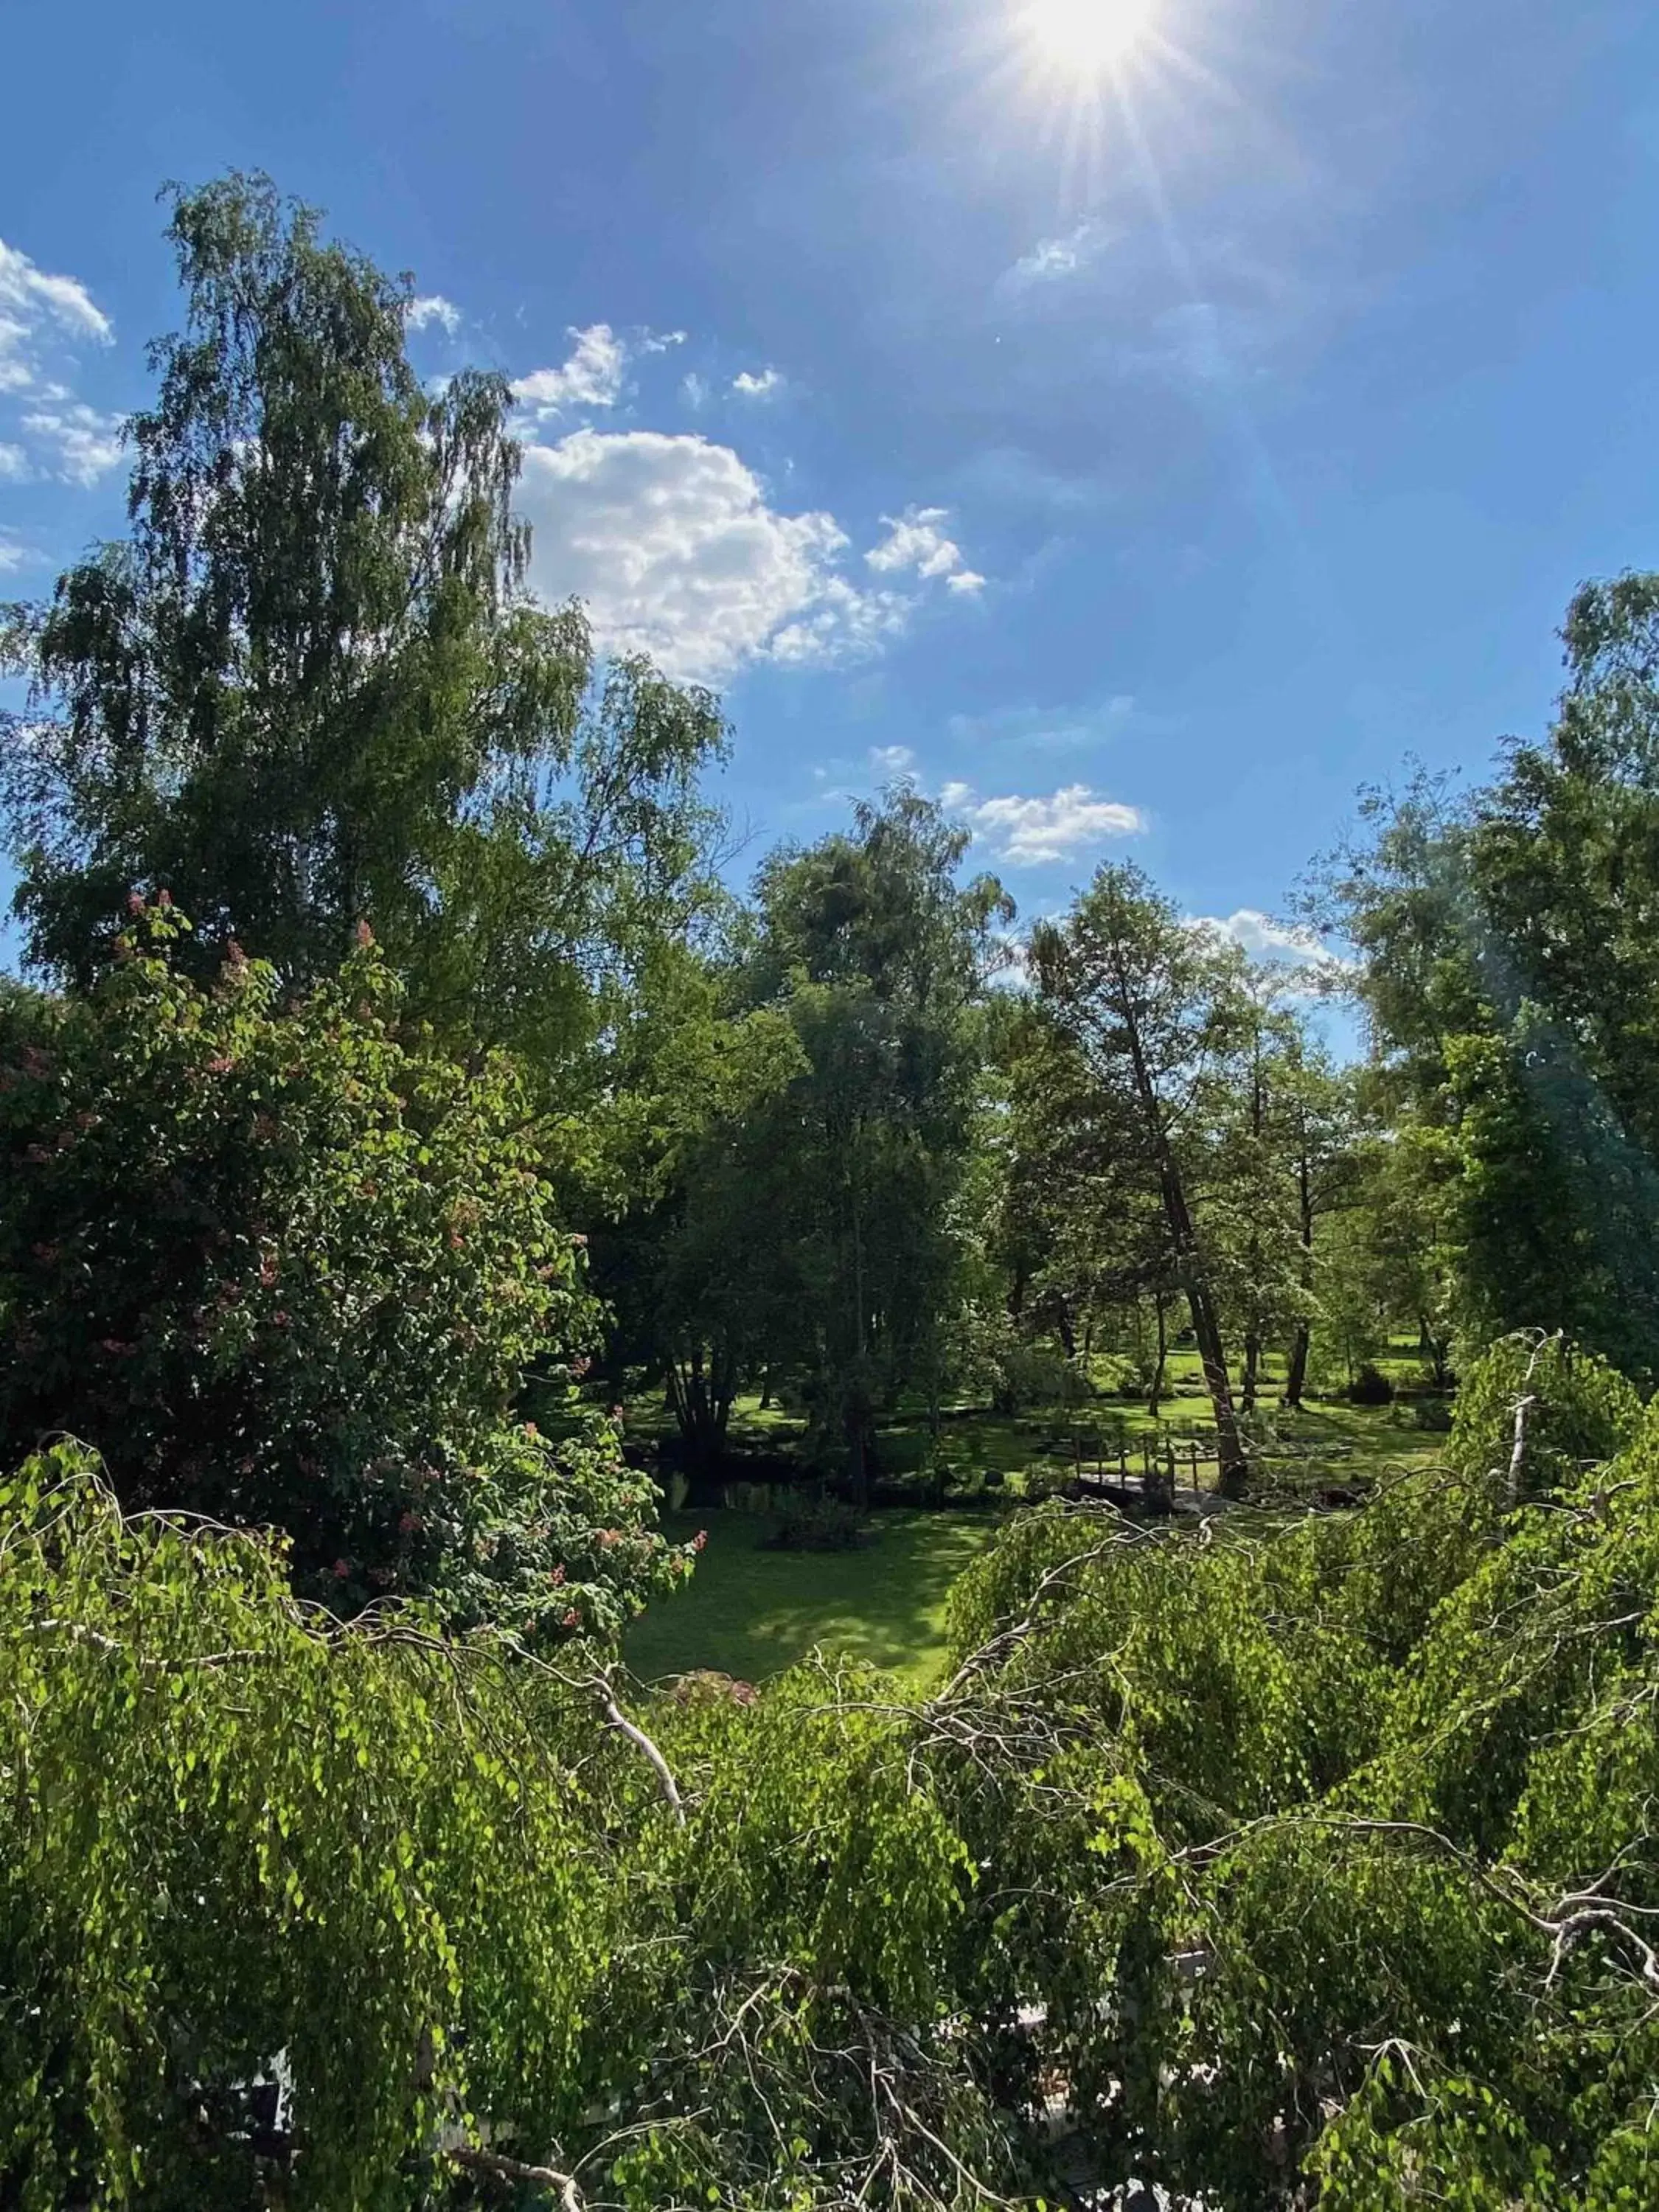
{"x":671,"y":541}
{"x":593,"y":377}
{"x":29,"y":295}
{"x":1054,"y":259}
{"x":695,"y":389}
{"x":40,"y":316}
{"x":916,"y":540}
{"x":12,"y":554}
{"x":749,"y":386}
{"x":432,"y":307}
{"x":891,"y":759}
{"x":83,"y":444}
{"x":1259,"y":934}
{"x":843,"y":624}
{"x":1030,"y":831}
{"x":1275,"y":943}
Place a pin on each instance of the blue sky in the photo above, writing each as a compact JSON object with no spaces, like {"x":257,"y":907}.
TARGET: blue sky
{"x":1144,"y":455}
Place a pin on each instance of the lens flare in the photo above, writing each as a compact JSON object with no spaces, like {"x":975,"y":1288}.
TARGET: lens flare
{"x":1087,"y":35}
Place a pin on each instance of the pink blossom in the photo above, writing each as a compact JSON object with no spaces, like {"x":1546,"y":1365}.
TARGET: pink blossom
{"x":700,"y":1540}
{"x":573,"y":1619}
{"x":365,"y":935}
{"x":410,"y":1524}
{"x":221,"y":1064}
{"x":341,"y":1571}
{"x":134,"y":901}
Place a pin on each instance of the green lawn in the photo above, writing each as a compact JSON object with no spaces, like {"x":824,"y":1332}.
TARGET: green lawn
{"x":749,"y":1613}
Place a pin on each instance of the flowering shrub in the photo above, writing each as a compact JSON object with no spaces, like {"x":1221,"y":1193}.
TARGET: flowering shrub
{"x":280,"y":1264}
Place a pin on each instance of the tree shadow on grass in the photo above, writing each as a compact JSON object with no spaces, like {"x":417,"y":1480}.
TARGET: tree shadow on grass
{"x":751,"y":1612}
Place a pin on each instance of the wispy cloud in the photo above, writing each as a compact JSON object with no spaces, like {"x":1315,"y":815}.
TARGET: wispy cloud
{"x":42,"y":318}
{"x":748,"y":385}
{"x":33,"y":302}
{"x":1052,"y":259}
{"x":1048,"y":729}
{"x":75,"y":442}
{"x":891,"y":759}
{"x":1031,"y":831}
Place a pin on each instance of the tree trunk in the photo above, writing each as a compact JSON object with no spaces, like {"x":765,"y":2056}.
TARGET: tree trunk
{"x":1253,"y":1332}
{"x":1234,"y":1472}
{"x":1297,"y":1381}
{"x":1155,"y":1396}
{"x":1439,"y":1352}
{"x":700,"y":1397}
{"x":1063,"y":1325}
{"x":1234,"y":1469}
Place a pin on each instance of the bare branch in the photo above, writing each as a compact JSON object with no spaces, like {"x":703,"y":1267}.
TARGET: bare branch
{"x":476,"y":2160}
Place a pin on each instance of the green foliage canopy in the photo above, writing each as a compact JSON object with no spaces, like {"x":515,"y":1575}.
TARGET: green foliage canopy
{"x":281,"y":1262}
{"x":311,"y":687}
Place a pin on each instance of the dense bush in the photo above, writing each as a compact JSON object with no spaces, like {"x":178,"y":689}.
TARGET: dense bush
{"x":1370,"y":1387}
{"x":813,"y":1523}
{"x":279,"y":1263}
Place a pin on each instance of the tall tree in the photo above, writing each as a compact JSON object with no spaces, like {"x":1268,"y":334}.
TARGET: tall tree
{"x":879,"y":959}
{"x":1509,"y":973}
{"x":310,"y":686}
{"x":1151,"y":1006}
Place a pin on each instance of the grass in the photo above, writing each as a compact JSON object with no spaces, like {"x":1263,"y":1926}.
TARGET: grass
{"x":749,"y":1613}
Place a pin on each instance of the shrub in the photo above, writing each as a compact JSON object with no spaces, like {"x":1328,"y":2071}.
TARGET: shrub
{"x":279,"y":1264}
{"x":1370,"y":1387}
{"x":816,"y":1524}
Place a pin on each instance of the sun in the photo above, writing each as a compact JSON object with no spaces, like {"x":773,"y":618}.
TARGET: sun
{"x":1087,"y":35}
